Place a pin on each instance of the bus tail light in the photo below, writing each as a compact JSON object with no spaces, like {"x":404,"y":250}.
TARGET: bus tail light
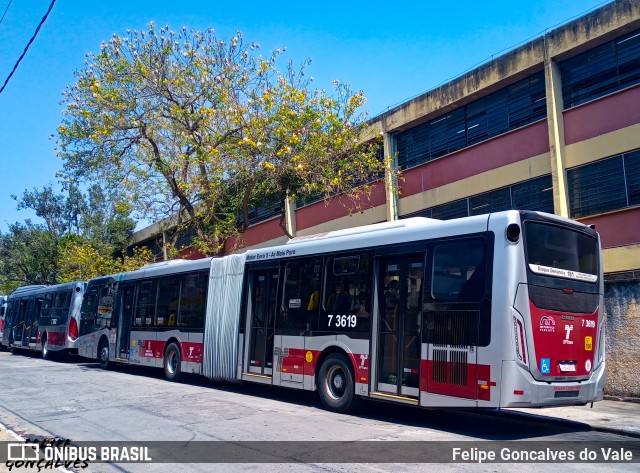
{"x":73,"y":329}
{"x":1,"y":325}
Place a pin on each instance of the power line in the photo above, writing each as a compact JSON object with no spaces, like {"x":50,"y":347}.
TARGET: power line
{"x":6,"y":10}
{"x":15,"y":67}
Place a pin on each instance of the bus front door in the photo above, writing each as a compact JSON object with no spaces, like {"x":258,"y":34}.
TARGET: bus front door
{"x":17,"y":326}
{"x":262,"y":315}
{"x":399,"y":341}
{"x":29,"y":320}
{"x":123,"y":343}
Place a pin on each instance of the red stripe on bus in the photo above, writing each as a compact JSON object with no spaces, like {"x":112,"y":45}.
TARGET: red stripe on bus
{"x":457,"y":380}
{"x":55,"y":339}
{"x":301,"y":361}
{"x":190,"y":351}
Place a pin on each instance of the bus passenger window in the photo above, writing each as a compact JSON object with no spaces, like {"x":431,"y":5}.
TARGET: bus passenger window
{"x":145,"y":309}
{"x":301,"y":296}
{"x":193,"y":299}
{"x":459,"y":271}
{"x":347,"y":296}
{"x":168,"y":299}
{"x":338,"y":301}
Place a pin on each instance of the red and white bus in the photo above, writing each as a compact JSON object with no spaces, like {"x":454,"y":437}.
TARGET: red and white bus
{"x":44,"y":318}
{"x":498,"y":310}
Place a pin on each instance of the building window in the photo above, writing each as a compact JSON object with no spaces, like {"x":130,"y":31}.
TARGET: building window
{"x":261,"y":213}
{"x":534,"y":194}
{"x":609,"y":184}
{"x":456,"y":209}
{"x":185,"y":237}
{"x":507,"y":109}
{"x":494,"y":201}
{"x":602,"y":70}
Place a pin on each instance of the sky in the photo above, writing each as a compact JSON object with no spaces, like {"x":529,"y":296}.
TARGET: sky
{"x":391,"y":51}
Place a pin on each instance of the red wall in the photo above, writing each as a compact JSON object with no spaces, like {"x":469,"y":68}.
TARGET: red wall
{"x":190,"y":253}
{"x":505,"y":149}
{"x":617,"y":229}
{"x":254,"y":235}
{"x":602,"y":116}
{"x":319,"y":213}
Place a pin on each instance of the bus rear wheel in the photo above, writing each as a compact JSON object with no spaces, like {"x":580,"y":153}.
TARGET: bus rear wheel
{"x":172,"y":362}
{"x":103,"y":354}
{"x":336,"y":383}
{"x":46,"y":353}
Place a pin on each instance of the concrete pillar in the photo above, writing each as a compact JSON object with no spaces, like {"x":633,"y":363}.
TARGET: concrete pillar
{"x":555,"y":121}
{"x":165,"y":239}
{"x":390,"y":178}
{"x":290,"y":216}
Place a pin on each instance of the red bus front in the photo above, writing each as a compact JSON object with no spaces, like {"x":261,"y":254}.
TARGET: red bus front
{"x":558,"y":317}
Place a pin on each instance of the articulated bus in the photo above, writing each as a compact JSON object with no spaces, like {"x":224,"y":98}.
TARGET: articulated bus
{"x":498,"y":310}
{"x":44,"y":318}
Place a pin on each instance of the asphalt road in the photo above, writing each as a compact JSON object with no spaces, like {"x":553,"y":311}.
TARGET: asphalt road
{"x":77,"y":400}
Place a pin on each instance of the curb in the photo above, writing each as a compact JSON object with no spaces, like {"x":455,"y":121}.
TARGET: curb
{"x":4,"y":430}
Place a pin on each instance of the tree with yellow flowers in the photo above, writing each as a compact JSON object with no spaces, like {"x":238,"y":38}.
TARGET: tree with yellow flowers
{"x":186,"y":125}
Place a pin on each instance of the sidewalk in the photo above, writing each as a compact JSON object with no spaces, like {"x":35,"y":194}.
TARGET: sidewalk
{"x":606,"y":416}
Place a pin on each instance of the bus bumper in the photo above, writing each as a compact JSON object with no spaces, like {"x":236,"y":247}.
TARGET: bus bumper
{"x":519,"y":389}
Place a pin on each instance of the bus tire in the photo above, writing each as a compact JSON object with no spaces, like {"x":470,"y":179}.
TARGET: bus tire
{"x":336,"y":383}
{"x":103,"y":354}
{"x":46,"y":353}
{"x":172,"y":362}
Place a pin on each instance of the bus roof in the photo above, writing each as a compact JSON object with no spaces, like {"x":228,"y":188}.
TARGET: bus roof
{"x":42,"y":289}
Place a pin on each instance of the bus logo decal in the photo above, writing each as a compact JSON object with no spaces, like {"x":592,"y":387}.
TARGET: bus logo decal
{"x":568,"y":328}
{"x":547,"y":324}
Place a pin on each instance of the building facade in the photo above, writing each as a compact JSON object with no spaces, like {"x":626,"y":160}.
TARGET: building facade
{"x":553,"y":125}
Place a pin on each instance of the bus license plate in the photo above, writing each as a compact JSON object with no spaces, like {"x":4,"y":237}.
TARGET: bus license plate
{"x":567,"y":367}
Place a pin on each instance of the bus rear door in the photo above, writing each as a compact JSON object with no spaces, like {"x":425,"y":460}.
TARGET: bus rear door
{"x":263,"y":290}
{"x":398,"y":371}
{"x":126,"y":313}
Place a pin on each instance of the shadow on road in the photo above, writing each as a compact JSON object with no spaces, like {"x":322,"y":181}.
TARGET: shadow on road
{"x":489,"y":424}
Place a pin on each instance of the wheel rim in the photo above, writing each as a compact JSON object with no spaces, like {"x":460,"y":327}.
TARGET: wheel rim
{"x":172,"y":362}
{"x":104,"y":354}
{"x":336,"y":384}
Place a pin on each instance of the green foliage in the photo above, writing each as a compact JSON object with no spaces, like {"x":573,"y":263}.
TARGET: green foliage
{"x":83,"y":236}
{"x":186,"y":125}
{"x":28,"y":255}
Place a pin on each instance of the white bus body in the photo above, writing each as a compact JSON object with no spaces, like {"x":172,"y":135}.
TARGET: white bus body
{"x":498,"y":310}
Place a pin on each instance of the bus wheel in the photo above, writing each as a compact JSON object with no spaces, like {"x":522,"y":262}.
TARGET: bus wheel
{"x":336,"y":383}
{"x":172,"y":362}
{"x":46,"y":353}
{"x":103,"y":354}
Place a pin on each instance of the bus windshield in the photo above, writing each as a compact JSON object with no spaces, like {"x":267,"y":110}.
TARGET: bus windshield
{"x":561,"y":252}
